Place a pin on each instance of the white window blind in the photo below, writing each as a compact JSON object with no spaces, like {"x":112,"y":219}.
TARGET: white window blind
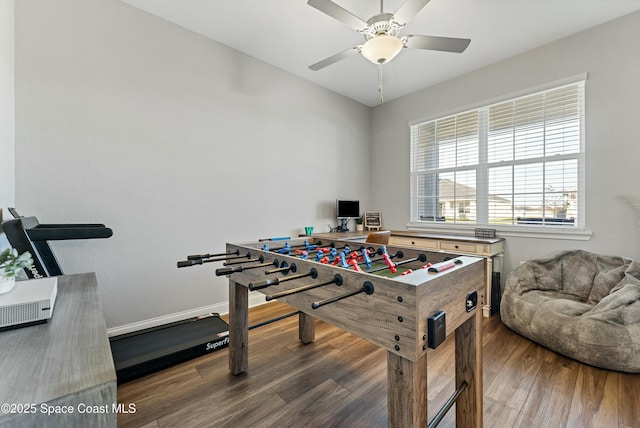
{"x":516,"y":162}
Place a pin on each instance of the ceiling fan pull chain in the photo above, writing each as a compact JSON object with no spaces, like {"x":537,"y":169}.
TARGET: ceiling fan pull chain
{"x":380,"y":82}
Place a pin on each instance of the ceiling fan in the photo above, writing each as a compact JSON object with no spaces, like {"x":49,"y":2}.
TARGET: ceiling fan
{"x":382,"y":42}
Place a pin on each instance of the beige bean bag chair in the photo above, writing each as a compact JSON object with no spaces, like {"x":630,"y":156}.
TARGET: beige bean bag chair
{"x":582,"y":305}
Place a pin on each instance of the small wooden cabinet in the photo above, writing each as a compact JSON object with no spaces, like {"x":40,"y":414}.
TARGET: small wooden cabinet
{"x":490,"y":248}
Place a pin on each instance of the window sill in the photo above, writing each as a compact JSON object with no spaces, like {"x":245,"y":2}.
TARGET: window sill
{"x":553,"y":232}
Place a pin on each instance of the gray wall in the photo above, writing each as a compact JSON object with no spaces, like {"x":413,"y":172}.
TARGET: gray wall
{"x":177,"y":143}
{"x":181,"y":144}
{"x":610,"y":55}
{"x":7,"y":109}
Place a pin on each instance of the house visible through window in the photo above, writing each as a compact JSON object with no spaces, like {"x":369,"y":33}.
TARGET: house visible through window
{"x":516,"y":162}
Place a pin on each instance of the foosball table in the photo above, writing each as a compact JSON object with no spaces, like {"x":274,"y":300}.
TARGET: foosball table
{"x":404,"y":300}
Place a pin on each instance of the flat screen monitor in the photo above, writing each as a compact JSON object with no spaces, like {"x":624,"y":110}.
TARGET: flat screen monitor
{"x":347,"y":208}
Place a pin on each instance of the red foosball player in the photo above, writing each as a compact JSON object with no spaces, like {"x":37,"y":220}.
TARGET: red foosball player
{"x":353,"y":261}
{"x":388,"y":261}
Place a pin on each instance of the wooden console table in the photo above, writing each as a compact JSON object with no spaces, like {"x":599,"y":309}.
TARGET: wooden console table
{"x":488,"y":248}
{"x":65,"y":362}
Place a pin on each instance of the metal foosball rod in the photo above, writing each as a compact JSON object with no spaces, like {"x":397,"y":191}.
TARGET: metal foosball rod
{"x":284,"y":268}
{"x":263,"y":323}
{"x":305,"y":255}
{"x":365,"y":258}
{"x":238,"y":262}
{"x":313,"y":273}
{"x":332,"y":253}
{"x":421,"y":258}
{"x":241,"y":268}
{"x":280,"y":238}
{"x":337,"y":279}
{"x":367,"y":287}
{"x":307,"y":246}
{"x":208,"y":256}
{"x":288,"y":247}
{"x":447,"y":406}
{"x":193,"y":262}
{"x":398,"y":254}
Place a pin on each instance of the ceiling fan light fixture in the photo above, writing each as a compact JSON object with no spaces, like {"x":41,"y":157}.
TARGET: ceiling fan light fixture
{"x":381,"y":48}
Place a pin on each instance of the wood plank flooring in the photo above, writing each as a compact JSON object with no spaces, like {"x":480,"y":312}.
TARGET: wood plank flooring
{"x":340,"y":381}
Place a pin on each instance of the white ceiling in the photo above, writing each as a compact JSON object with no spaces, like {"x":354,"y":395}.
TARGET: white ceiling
{"x":291,"y":35}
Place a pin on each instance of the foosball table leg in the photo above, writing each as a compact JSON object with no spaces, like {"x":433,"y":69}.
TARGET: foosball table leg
{"x":238,"y":328}
{"x":306,"y":328}
{"x":406,"y":391}
{"x":469,"y":370}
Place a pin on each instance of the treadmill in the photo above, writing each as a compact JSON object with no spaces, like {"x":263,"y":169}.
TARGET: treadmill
{"x":134,"y":354}
{"x":27,"y":234}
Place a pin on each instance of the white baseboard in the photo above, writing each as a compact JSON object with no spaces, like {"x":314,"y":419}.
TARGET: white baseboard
{"x":255,"y":299}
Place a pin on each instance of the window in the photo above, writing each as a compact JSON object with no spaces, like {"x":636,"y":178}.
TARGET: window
{"x":516,"y":162}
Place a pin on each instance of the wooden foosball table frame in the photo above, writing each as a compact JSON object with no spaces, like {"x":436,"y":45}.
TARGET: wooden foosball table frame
{"x":393,"y":316}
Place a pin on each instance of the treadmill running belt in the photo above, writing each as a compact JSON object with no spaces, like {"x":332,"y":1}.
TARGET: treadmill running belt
{"x":142,"y":352}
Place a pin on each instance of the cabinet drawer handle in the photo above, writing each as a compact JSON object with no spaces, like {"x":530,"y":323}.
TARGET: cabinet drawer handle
{"x":456,"y":246}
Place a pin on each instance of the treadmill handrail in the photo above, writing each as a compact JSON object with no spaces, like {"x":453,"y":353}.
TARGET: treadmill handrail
{"x":70,"y":225}
{"x":26,"y":234}
{"x":66,"y":232}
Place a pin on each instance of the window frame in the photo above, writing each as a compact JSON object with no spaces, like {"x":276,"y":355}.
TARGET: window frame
{"x":579,"y":231}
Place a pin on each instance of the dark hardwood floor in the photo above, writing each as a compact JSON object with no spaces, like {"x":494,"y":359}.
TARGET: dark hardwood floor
{"x":340,"y":381}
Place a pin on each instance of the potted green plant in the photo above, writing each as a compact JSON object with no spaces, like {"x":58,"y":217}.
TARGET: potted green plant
{"x":359,"y":225}
{"x":10,"y":264}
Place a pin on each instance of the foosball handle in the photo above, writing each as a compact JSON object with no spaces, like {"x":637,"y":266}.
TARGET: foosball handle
{"x":187,"y":263}
{"x":228,"y":270}
{"x":263,"y":284}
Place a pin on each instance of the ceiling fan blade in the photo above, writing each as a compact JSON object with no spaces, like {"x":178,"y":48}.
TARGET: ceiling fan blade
{"x":335,"y":58}
{"x":434,"y":43}
{"x":339,"y":13}
{"x":408,"y":10}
